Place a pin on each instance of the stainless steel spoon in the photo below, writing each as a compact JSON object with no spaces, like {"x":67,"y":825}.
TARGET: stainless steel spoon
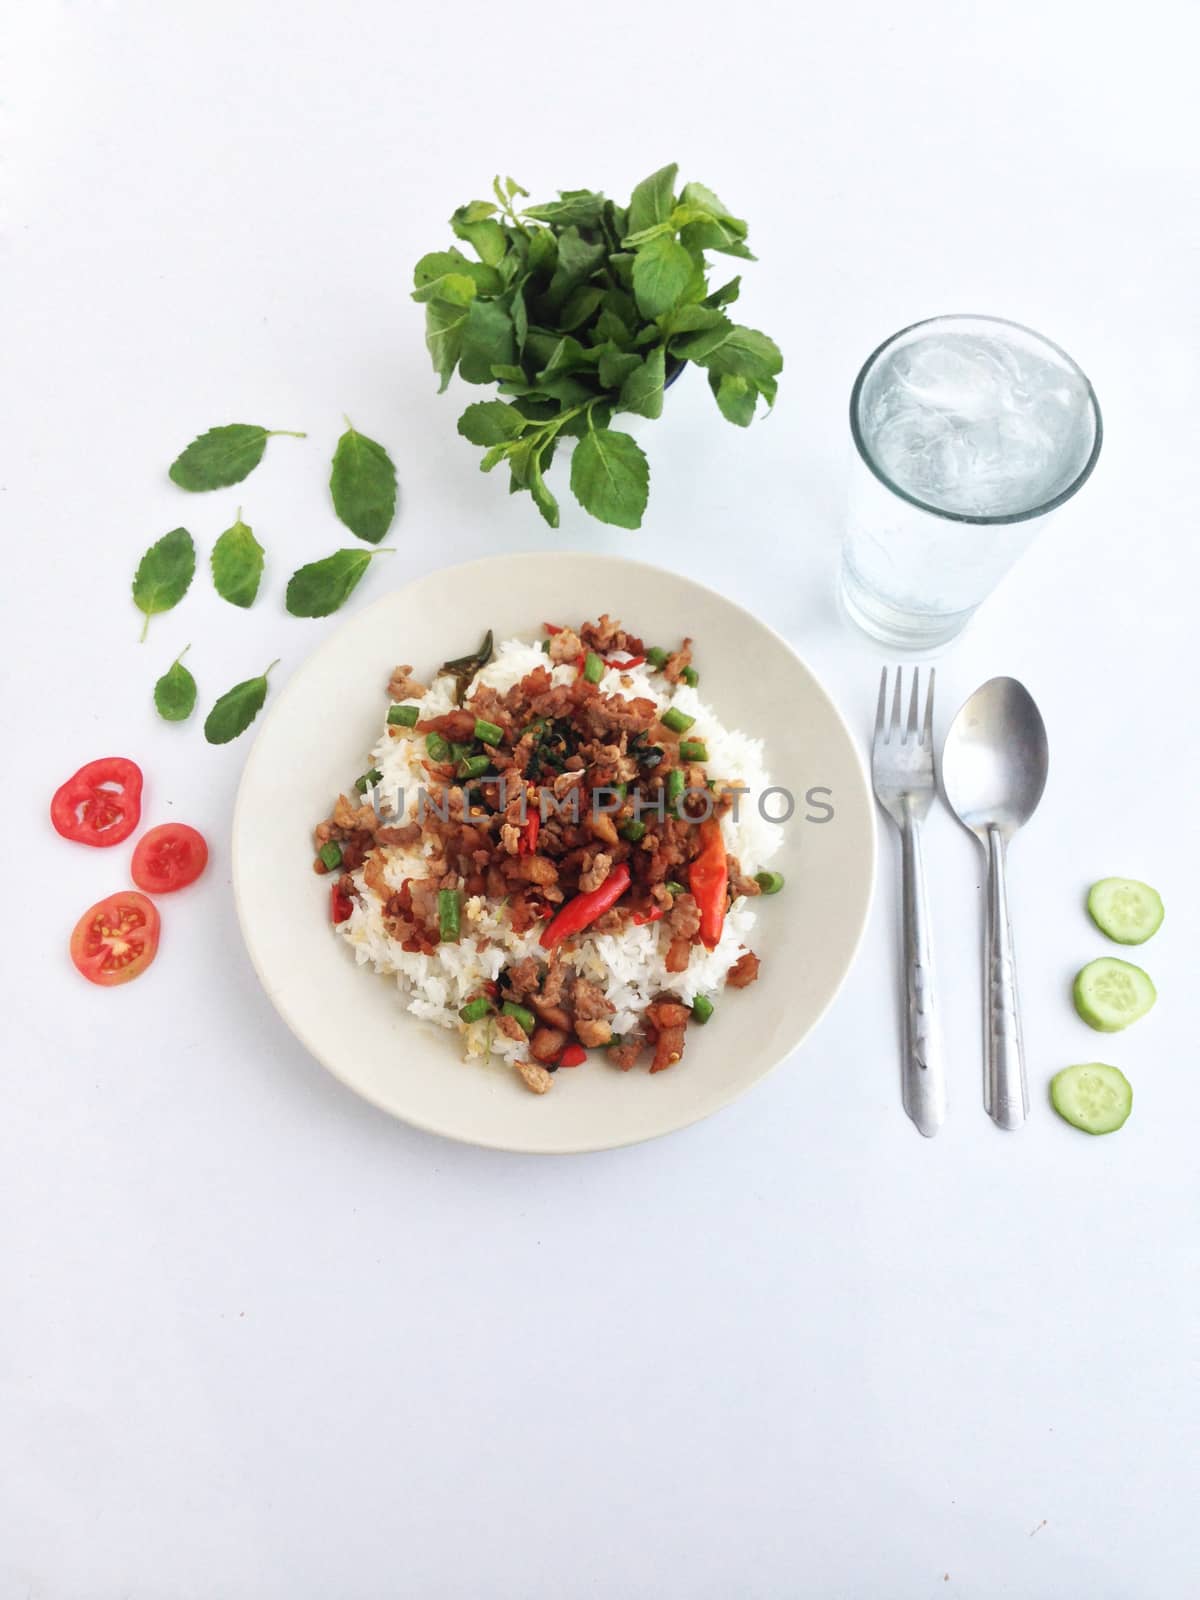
{"x":994,"y":767}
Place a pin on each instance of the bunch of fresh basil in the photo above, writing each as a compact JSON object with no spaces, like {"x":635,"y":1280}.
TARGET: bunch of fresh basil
{"x":581,"y":309}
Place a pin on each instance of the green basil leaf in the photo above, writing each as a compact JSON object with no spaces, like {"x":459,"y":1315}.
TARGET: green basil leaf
{"x":642,"y":390}
{"x":736,"y":396}
{"x":695,"y":194}
{"x":497,"y":453}
{"x":583,"y":207}
{"x":491,"y":422}
{"x":483,"y":233}
{"x":542,"y":498}
{"x":610,"y":477}
{"x":662,"y":271}
{"x":543,"y":253}
{"x":616,"y":365}
{"x":580,"y":304}
{"x":318,"y":589}
{"x":444,"y":324}
{"x":705,"y":330}
{"x":363,"y":485}
{"x":164,"y":574}
{"x":236,"y":709}
{"x":175,"y":691}
{"x":742,"y":351}
{"x":567,"y":356}
{"x":487,"y":339}
{"x":644,"y":235}
{"x":441,"y":264}
{"x":712,"y":235}
{"x":578,"y":258}
{"x":223,"y":456}
{"x":726,"y":294}
{"x":651,"y":201}
{"x":464,"y":668}
{"x":237,"y":564}
{"x":455,"y":288}
{"x":693,"y":319}
{"x":520,"y":321}
{"x":467,"y":666}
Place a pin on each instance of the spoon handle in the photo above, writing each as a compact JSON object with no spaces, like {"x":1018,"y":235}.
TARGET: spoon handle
{"x":924,"y":1081}
{"x":1005,"y":1092}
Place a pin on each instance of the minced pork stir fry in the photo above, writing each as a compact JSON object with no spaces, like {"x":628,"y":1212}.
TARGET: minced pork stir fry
{"x":559,"y":813}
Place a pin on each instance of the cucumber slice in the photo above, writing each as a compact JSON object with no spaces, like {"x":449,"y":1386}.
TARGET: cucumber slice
{"x":1094,"y":1097}
{"x":1129,"y":912}
{"x":1110,"y":994}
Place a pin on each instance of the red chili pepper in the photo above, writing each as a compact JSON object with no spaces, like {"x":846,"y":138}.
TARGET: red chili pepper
{"x":551,"y":627}
{"x":340,"y":904}
{"x":581,"y":660}
{"x":573,"y":1056}
{"x":581,"y":912}
{"x":653,"y":915}
{"x":491,"y":989}
{"x":708,"y":879}
{"x":622,"y":666}
{"x":527,"y":843}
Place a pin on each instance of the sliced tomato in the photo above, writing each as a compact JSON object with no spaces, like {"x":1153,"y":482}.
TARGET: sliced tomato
{"x":168,"y":857}
{"x":340,"y":903}
{"x":101,"y":804}
{"x":116,"y":939}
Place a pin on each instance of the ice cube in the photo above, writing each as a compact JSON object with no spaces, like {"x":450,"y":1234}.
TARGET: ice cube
{"x":950,"y":374}
{"x":977,"y":425}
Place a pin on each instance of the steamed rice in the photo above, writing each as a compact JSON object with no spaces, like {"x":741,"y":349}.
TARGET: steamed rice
{"x":630,"y":965}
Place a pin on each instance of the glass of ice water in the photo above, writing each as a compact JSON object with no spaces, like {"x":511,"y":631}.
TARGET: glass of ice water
{"x":969,"y":432}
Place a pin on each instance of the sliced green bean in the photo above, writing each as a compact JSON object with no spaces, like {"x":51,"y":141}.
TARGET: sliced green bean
{"x":633,"y":830}
{"x":691,"y":677}
{"x":474,"y":1010}
{"x":676,"y":784}
{"x":693,"y":749}
{"x":526,"y":1018}
{"x":678,"y":721}
{"x":448,"y":916}
{"x":702,"y":1008}
{"x":403,"y":716}
{"x":656,"y":657}
{"x":593,"y":667}
{"x":769,"y":882}
{"x":487,"y":732}
{"x":368,"y":780}
{"x":473,"y":766}
{"x":331,"y":854}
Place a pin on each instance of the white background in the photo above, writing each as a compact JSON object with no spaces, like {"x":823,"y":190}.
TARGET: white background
{"x":257,"y":1339}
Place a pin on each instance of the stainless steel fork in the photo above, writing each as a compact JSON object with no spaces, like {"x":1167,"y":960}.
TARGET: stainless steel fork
{"x":902,"y":772}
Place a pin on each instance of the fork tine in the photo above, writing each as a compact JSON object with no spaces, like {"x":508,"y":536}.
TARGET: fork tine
{"x":894,"y":728}
{"x":910,"y":731}
{"x":882,"y":706}
{"x":927,"y":729}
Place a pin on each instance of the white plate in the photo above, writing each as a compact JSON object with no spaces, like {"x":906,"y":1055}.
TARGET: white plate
{"x":313,"y":741}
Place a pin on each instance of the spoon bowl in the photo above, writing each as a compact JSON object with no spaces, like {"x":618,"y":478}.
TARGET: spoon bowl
{"x":996,"y":758}
{"x":994,"y":767}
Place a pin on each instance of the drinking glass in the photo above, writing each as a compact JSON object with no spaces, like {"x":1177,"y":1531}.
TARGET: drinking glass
{"x":969,"y":432}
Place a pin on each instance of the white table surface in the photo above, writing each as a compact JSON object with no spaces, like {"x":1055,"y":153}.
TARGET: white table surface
{"x":259,"y":1340}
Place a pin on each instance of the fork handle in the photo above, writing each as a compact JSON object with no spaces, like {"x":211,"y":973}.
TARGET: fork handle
{"x":1005,"y":1090}
{"x":924,"y":1079}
